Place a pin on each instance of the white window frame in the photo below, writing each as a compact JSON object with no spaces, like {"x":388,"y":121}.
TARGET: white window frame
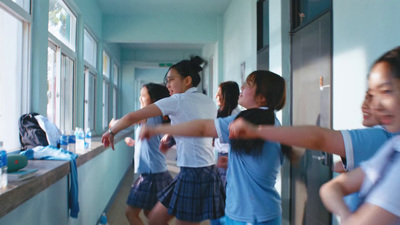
{"x":90,"y":114}
{"x":10,"y":139}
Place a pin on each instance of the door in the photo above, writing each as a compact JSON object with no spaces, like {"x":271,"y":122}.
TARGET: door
{"x":311,"y":105}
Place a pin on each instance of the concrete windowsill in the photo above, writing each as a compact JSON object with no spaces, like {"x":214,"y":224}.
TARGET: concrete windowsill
{"x":49,"y":172}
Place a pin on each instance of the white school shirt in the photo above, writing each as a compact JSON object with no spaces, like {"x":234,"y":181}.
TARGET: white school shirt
{"x":184,"y":107}
{"x":224,"y":147}
{"x":381,"y":183}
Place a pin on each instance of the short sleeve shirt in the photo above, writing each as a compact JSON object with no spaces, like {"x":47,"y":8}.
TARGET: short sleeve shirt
{"x":184,"y":107}
{"x":361,"y":144}
{"x":381,"y":184}
{"x":147,"y":156}
{"x":250,"y":193}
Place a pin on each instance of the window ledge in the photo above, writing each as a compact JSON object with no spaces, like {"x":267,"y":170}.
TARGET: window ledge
{"x":49,"y":172}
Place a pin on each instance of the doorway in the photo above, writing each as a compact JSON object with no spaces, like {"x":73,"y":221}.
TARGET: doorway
{"x":311,"y":50}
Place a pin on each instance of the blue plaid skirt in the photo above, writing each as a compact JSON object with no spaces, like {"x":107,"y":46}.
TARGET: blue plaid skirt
{"x":196,"y":194}
{"x":144,"y":191}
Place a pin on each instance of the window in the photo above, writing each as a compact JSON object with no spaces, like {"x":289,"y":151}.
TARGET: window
{"x":305,"y":11}
{"x":90,"y":99}
{"x":25,"y":4}
{"x":60,"y":78}
{"x":262,"y":24}
{"x":106,"y":89}
{"x":14,"y":76}
{"x":90,"y":56}
{"x":90,"y":49}
{"x":62,"y":23}
{"x":115,"y":92}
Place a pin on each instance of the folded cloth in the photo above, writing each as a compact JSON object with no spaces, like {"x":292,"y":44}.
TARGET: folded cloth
{"x":53,"y":153}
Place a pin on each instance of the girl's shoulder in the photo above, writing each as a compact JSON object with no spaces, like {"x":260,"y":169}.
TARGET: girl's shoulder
{"x":153,"y":121}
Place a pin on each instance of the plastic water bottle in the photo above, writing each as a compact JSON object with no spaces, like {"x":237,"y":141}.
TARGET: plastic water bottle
{"x":80,"y":140}
{"x":103,"y":219}
{"x":71,"y":142}
{"x":88,"y":139}
{"x":64,"y":141}
{"x":3,"y":167}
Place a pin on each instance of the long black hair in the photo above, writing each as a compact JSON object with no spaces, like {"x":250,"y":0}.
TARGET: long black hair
{"x":229,"y":98}
{"x":189,"y":68}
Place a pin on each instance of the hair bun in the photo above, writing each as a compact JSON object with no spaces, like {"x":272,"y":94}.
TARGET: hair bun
{"x":198,"y":63}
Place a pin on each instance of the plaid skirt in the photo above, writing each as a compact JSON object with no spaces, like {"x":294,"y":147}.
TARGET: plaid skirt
{"x":196,"y":194}
{"x":144,"y":190}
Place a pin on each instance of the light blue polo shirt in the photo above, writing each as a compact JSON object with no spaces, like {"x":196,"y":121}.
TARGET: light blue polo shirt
{"x":361,"y":144}
{"x":250,"y":193}
{"x":147,"y":157}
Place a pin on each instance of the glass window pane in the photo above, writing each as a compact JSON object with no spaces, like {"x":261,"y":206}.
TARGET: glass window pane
{"x":115,"y":75}
{"x":115,"y":102}
{"x":90,"y":49}
{"x":51,"y":85}
{"x":67,"y":87}
{"x":90,"y":96}
{"x":25,"y":4}
{"x":106,"y":88}
{"x":11,"y":55}
{"x":106,"y":65}
{"x":62,"y":23}
{"x":310,"y":9}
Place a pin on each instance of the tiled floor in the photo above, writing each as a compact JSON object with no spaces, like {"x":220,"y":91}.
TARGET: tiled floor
{"x":116,"y":213}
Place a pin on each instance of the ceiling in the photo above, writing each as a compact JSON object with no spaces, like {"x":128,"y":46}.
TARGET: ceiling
{"x":156,"y":7}
{"x":162,"y":7}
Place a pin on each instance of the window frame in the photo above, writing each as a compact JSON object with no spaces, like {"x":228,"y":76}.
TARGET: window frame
{"x":16,"y":11}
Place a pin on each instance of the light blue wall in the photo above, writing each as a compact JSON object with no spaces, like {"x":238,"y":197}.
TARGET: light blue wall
{"x":239,"y":39}
{"x":362,"y":31}
{"x":98,"y":179}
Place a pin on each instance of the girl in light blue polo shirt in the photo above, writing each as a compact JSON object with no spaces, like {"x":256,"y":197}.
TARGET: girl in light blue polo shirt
{"x":253,"y":165}
{"x":149,"y":162}
{"x":197,"y":192}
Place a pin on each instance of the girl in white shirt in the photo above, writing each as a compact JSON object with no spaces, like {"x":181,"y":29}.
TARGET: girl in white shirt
{"x":197,"y":192}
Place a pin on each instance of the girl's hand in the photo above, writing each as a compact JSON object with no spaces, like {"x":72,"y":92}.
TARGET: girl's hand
{"x":240,"y":128}
{"x":222,"y":162}
{"x":146,"y":132}
{"x":165,"y":143}
{"x":129,"y":141}
{"x":108,"y":139}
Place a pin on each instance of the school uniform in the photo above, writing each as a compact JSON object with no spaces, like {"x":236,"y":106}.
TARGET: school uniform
{"x":381,"y":183}
{"x":222,"y":149}
{"x":197,"y":192}
{"x":150,"y":163}
{"x":360,"y":145}
{"x":251,"y":194}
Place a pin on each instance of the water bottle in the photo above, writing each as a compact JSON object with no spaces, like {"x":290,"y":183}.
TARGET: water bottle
{"x":3,"y":167}
{"x":88,"y":139}
{"x":103,"y":219}
{"x":64,"y":141}
{"x":80,"y":140}
{"x":71,"y":142}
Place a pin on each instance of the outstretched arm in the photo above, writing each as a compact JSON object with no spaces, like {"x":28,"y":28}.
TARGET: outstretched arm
{"x":332,"y":194}
{"x":310,"y":137}
{"x":129,"y":119}
{"x":195,"y":128}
